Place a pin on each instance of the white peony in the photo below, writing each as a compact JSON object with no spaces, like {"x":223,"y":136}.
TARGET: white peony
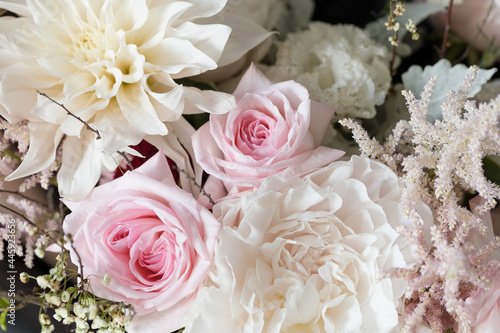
{"x":113,"y":64}
{"x":306,"y":255}
{"x":340,"y":66}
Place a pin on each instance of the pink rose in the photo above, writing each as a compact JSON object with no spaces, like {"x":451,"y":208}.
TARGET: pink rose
{"x":484,"y":307}
{"x":152,"y":237}
{"x":275,"y":129}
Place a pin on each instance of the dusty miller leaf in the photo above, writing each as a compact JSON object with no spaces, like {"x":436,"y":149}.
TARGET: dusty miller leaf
{"x":449,"y":78}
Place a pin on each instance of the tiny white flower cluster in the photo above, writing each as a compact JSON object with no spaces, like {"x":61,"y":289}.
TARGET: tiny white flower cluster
{"x":74,"y":305}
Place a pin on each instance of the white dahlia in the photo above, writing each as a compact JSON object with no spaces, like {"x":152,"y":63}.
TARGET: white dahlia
{"x":112,"y":63}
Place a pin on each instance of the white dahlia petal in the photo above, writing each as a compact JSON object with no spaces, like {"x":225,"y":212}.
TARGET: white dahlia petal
{"x":131,"y":99}
{"x":81,"y":166}
{"x":16,"y":99}
{"x":113,"y":63}
{"x":130,"y":15}
{"x":44,"y":139}
{"x":159,"y":18}
{"x":16,"y":6}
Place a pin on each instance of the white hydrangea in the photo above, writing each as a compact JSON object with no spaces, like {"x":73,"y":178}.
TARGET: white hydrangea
{"x":339,"y":64}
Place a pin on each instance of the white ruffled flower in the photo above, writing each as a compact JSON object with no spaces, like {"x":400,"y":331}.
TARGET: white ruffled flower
{"x":340,"y":66}
{"x":307,"y":254}
{"x":113,"y":64}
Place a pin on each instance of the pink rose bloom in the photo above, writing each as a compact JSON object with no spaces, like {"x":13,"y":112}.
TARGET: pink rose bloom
{"x":484,"y":307}
{"x":152,"y":237}
{"x":275,"y":129}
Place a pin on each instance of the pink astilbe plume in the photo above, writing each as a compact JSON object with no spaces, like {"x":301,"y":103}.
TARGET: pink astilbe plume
{"x":444,"y":164}
{"x":34,"y":219}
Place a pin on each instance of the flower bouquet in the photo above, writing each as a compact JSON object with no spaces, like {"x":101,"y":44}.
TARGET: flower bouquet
{"x":258,"y":166}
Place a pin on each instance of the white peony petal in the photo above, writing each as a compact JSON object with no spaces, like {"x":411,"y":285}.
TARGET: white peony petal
{"x":136,"y":107}
{"x":44,"y":139}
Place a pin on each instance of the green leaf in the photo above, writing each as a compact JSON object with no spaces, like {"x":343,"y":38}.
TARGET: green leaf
{"x":449,"y":78}
{"x":492,"y":168}
{"x":3,"y":321}
{"x":196,"y":120}
{"x":4,"y":302}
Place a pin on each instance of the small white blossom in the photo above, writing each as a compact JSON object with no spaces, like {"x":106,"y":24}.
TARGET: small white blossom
{"x":40,"y":253}
{"x":44,"y":319}
{"x":43,"y":282}
{"x":81,"y":324}
{"x":62,"y":312}
{"x":99,"y":322}
{"x":47,"y":329}
{"x":65,"y":296}
{"x":80,"y":311}
{"x":106,"y":279}
{"x":92,"y":311}
{"x":54,"y":299}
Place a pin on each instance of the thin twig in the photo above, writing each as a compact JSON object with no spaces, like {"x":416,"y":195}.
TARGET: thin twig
{"x":395,"y":38}
{"x":72,"y":114}
{"x":476,"y":36}
{"x":20,"y":215}
{"x":129,"y":163}
{"x":23,"y":299}
{"x":45,"y":233}
{"x":23,"y":196}
{"x":446,"y":30}
{"x":196,"y":184}
{"x":80,"y":273}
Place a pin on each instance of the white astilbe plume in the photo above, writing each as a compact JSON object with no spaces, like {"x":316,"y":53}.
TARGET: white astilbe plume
{"x":25,"y":215}
{"x":444,"y":163}
{"x":31,"y":222}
